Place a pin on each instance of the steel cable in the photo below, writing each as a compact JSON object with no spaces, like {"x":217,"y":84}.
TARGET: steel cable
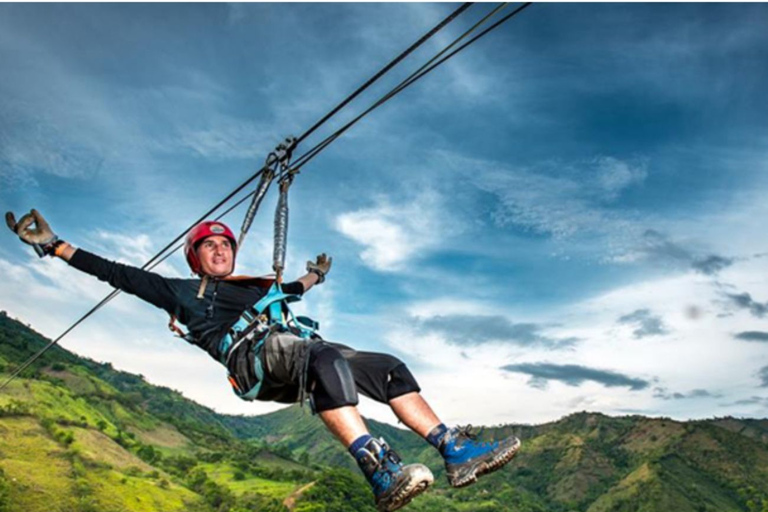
{"x":415,"y":76}
{"x":386,"y":68}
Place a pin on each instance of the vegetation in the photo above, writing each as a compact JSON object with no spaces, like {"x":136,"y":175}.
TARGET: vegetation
{"x":77,"y":435}
{"x":5,"y":492}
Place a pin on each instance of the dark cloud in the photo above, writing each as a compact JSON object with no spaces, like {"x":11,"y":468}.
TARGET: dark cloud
{"x":645,"y":322}
{"x":473,"y":330}
{"x":701,"y":393}
{"x":752,"y":336}
{"x":763,"y":375}
{"x":745,"y":301}
{"x":660,"y":247}
{"x":656,"y":244}
{"x":696,"y":393}
{"x":712,"y":264}
{"x":573,"y":375}
{"x":752,"y":401}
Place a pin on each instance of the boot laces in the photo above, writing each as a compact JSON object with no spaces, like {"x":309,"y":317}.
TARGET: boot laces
{"x":467,"y":433}
{"x":388,"y":461}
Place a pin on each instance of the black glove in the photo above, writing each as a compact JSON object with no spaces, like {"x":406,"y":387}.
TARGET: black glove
{"x":40,"y":237}
{"x":320,"y":267}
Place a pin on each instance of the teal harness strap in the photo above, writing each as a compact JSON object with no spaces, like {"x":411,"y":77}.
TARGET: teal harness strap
{"x":225,"y":345}
{"x":275,"y":305}
{"x":275,"y":302}
{"x":258,"y":370}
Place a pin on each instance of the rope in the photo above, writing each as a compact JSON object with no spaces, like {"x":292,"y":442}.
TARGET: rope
{"x":415,"y":76}
{"x":386,"y":68}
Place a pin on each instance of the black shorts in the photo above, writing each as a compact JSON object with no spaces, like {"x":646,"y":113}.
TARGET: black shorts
{"x":378,"y":376}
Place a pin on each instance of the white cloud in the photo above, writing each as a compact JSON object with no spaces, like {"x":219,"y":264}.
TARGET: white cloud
{"x":554,"y":198}
{"x":394,"y":235}
{"x":614,"y":175}
{"x":224,"y":137}
{"x":697,"y":352}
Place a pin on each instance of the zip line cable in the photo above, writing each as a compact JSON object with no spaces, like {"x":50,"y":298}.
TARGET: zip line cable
{"x":416,"y":75}
{"x":378,"y":75}
{"x":386,"y":68}
{"x":157,"y":259}
{"x":319,"y":147}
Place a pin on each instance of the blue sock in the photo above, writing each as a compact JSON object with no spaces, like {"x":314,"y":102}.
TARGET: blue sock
{"x":436,"y":434}
{"x":359,"y":443}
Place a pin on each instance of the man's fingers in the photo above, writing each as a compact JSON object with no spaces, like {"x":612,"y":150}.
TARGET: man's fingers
{"x":41,"y":223}
{"x":10,"y":219}
{"x":26,"y":221}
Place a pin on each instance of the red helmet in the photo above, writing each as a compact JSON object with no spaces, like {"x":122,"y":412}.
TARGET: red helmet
{"x":200,"y":233}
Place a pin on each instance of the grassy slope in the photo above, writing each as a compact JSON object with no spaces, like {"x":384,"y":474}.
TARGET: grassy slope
{"x":46,"y":475}
{"x":69,"y":440}
{"x":70,"y":436}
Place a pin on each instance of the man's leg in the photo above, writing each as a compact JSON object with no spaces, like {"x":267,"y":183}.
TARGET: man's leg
{"x":387,"y":379}
{"x":415,"y":413}
{"x":465,"y":458}
{"x":345,"y":423}
{"x":334,"y":394}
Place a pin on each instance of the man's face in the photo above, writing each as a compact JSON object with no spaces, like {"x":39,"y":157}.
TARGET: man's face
{"x":216,"y":257}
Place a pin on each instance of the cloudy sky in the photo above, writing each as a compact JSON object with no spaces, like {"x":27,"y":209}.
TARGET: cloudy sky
{"x":569,"y":215}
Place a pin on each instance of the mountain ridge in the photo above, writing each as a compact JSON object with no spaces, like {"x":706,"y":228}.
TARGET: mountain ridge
{"x":113,"y":438}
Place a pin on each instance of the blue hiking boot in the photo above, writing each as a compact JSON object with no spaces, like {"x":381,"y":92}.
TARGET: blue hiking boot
{"x":466,"y":459}
{"x":394,"y":485}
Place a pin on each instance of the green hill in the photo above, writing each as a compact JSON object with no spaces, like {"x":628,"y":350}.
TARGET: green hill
{"x":76,"y":435}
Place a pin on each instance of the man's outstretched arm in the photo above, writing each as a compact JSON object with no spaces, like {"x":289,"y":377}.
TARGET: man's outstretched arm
{"x":316,"y":272}
{"x":33,"y":230}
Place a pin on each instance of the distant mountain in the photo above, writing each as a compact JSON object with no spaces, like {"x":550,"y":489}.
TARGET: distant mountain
{"x":76,"y":435}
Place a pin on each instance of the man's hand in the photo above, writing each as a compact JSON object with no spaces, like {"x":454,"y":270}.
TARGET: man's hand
{"x":320,"y":267}
{"x":41,"y":237}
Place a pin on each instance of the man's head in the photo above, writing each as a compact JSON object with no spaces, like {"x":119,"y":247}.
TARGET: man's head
{"x":211,"y":248}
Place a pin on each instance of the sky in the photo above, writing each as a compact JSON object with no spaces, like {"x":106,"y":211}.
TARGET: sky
{"x":569,"y":215}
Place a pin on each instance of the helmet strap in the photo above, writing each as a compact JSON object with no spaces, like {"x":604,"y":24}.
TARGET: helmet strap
{"x":203,"y":286}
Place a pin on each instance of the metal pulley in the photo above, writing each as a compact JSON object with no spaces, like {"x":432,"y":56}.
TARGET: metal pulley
{"x":277,"y":162}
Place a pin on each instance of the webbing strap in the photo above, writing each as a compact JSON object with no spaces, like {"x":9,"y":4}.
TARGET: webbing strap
{"x":225,"y":345}
{"x":275,"y":302}
{"x":258,"y":369}
{"x":178,"y":331}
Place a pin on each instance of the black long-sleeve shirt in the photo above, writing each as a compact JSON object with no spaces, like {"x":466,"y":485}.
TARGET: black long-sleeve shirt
{"x":207,"y":319}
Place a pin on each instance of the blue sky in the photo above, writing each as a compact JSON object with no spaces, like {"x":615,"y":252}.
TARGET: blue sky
{"x":569,"y":214}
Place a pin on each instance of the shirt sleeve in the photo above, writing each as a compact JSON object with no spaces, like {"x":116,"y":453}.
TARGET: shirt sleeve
{"x":148,"y":286}
{"x":295,"y":288}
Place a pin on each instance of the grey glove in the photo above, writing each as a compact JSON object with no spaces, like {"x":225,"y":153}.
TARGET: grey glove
{"x":320,"y":267}
{"x":41,"y":237}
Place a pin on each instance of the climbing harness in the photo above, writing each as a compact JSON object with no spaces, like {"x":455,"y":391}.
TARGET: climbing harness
{"x":271,"y":313}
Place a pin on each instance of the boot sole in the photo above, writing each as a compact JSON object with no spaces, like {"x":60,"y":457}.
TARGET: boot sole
{"x":417,"y":484}
{"x":481,"y":468}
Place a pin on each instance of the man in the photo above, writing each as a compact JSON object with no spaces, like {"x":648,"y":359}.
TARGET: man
{"x":278,"y":364}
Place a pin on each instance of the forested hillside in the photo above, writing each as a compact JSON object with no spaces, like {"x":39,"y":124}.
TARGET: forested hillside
{"x":76,"y":435}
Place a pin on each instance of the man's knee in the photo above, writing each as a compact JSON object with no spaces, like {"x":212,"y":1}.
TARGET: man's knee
{"x":331,"y":380}
{"x":401,"y":382}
